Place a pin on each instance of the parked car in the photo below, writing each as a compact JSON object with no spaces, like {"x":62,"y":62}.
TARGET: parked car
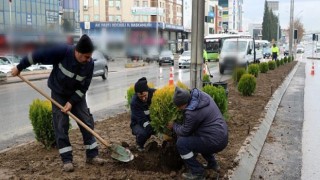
{"x":286,"y":50}
{"x":152,"y":54}
{"x":14,"y":60}
{"x":5,"y":66}
{"x":266,"y":52}
{"x":185,"y":59}
{"x":100,"y":65}
{"x":166,"y":57}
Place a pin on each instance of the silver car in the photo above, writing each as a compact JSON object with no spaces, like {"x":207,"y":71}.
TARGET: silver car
{"x":100,"y":65}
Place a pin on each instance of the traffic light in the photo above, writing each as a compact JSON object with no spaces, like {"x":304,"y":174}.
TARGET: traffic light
{"x":295,"y":34}
{"x":314,"y":37}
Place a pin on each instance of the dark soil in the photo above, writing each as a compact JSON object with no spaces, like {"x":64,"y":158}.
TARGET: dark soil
{"x":32,"y":161}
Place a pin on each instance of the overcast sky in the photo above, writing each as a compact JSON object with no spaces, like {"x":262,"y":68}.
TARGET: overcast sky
{"x":307,"y":10}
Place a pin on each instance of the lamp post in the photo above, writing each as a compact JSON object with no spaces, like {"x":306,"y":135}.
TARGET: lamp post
{"x":291,"y":26}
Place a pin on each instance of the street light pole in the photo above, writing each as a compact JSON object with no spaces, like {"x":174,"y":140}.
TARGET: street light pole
{"x":278,"y":33}
{"x":291,"y":26}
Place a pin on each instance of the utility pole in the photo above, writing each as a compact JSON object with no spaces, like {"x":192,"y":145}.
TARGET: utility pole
{"x":197,"y":36}
{"x":291,"y":27}
{"x":278,"y":33}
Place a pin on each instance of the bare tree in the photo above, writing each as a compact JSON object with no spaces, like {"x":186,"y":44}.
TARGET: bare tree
{"x":299,"y":26}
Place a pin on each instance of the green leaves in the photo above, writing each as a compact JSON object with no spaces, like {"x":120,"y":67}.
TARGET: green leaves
{"x":247,"y":85}
{"x":219,"y":96}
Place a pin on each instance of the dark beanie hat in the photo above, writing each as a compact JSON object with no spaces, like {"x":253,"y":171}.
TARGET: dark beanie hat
{"x":181,"y":96}
{"x":141,"y":85}
{"x":85,"y":45}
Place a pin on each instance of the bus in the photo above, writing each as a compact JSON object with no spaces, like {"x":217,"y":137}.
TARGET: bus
{"x":213,"y":44}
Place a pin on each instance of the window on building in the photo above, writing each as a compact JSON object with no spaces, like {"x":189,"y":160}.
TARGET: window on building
{"x":96,"y":3}
{"x":225,"y":13}
{"x":220,"y":24}
{"x":118,"y":3}
{"x":144,"y":18}
{"x":111,"y":18}
{"x":136,"y":18}
{"x":145,"y":3}
{"x":96,"y":17}
{"x":136,"y":3}
{"x":86,"y":2}
{"x":86,"y":18}
{"x":111,"y":3}
{"x":118,"y":18}
{"x":211,"y":30}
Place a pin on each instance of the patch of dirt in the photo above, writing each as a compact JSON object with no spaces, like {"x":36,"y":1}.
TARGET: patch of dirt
{"x":32,"y":161}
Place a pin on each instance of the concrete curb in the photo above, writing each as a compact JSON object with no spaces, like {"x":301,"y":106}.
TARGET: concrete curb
{"x":248,"y":154}
{"x":315,"y":58}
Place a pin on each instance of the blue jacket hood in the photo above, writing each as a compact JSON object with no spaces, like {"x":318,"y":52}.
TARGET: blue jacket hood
{"x":197,"y":101}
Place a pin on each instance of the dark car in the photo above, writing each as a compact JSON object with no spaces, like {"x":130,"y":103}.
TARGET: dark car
{"x":166,"y":57}
{"x":100,"y":65}
{"x":266,"y":52}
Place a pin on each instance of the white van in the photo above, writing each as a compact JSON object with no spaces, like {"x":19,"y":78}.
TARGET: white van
{"x":236,"y":52}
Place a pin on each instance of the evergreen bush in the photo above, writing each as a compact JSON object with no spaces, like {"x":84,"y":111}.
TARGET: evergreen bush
{"x":219,"y":96}
{"x":272,"y":65}
{"x":247,"y":85}
{"x":264,"y":67}
{"x":253,"y":69}
{"x":40,"y":115}
{"x":237,"y":73}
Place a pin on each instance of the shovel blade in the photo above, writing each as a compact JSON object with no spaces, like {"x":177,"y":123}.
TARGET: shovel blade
{"x":120,"y":153}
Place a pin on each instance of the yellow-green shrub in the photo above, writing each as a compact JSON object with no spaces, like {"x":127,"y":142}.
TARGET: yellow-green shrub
{"x":162,"y":109}
{"x":237,"y":73}
{"x":40,"y":115}
{"x":264,"y":67}
{"x":272,"y":65}
{"x":219,"y":96}
{"x":206,"y":78}
{"x":253,"y":69}
{"x":247,"y":85}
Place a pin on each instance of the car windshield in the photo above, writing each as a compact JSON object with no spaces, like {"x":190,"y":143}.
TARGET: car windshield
{"x":13,"y":59}
{"x":166,"y":53}
{"x":234,"y":46}
{"x":4,"y":60}
{"x":186,"y":53}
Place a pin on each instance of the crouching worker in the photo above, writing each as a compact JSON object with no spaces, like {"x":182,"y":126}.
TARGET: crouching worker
{"x":140,"y":117}
{"x":69,"y":81}
{"x":203,"y":131}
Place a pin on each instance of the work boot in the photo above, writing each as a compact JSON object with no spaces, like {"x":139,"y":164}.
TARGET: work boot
{"x":190,"y":176}
{"x":214,"y":166}
{"x":96,"y":160}
{"x":139,"y":148}
{"x":68,"y":167}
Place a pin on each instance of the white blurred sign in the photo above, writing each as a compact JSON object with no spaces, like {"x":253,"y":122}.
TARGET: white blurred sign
{"x":86,"y":25}
{"x":146,"y":11}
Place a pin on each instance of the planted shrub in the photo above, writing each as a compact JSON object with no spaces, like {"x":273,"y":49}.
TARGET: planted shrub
{"x":277,"y":63}
{"x":162,"y":109}
{"x":247,"y":85}
{"x":282,"y":62}
{"x":40,"y":115}
{"x":219,"y":96}
{"x":264,"y":67}
{"x":292,"y":58}
{"x":253,"y":69}
{"x":181,"y":85}
{"x":206,"y":78}
{"x":272,"y":65}
{"x":237,"y":73}
{"x":285,"y":59}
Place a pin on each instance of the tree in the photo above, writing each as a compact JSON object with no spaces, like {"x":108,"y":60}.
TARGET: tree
{"x":265,"y":23}
{"x":297,"y":24}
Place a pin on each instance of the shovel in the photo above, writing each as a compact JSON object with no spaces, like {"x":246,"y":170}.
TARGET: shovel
{"x":118,"y":152}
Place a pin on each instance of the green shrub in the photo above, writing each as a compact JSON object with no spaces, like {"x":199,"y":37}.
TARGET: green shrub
{"x":206,"y":78}
{"x":264,"y":67}
{"x":247,"y":85}
{"x":285,"y":59}
{"x":292,"y":58}
{"x":272,"y":65}
{"x":278,"y":63}
{"x":40,"y":115}
{"x":219,"y":96}
{"x":253,"y":69}
{"x":162,"y":109}
{"x":237,"y":73}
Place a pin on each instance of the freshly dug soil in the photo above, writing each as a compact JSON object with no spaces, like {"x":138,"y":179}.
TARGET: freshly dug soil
{"x":33,"y":161}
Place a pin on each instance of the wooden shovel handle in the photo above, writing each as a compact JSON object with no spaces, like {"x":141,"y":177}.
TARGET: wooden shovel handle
{"x":69,"y":113}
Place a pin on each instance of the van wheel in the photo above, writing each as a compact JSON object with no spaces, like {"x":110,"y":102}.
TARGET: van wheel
{"x":221,"y":69}
{"x":105,"y":75}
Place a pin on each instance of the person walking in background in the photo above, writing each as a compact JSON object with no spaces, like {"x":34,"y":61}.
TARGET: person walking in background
{"x":275,"y":52}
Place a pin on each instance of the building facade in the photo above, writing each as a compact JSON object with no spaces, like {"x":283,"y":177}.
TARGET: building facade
{"x":142,"y":22}
{"x":213,"y":18}
{"x":231,"y":15}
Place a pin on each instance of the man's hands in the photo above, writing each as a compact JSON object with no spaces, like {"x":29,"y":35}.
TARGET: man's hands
{"x":170,"y":125}
{"x":15,"y":71}
{"x":67,"y":107}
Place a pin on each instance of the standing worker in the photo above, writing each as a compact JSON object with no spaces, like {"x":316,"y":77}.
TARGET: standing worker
{"x":203,"y":131}
{"x":140,"y":116}
{"x":69,"y":81}
{"x":205,"y":56}
{"x":275,"y":52}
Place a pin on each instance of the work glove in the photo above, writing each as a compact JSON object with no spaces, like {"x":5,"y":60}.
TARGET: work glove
{"x":148,"y":127}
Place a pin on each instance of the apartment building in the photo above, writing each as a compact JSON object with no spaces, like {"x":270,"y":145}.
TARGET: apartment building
{"x":213,"y":18}
{"x":136,"y":21}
